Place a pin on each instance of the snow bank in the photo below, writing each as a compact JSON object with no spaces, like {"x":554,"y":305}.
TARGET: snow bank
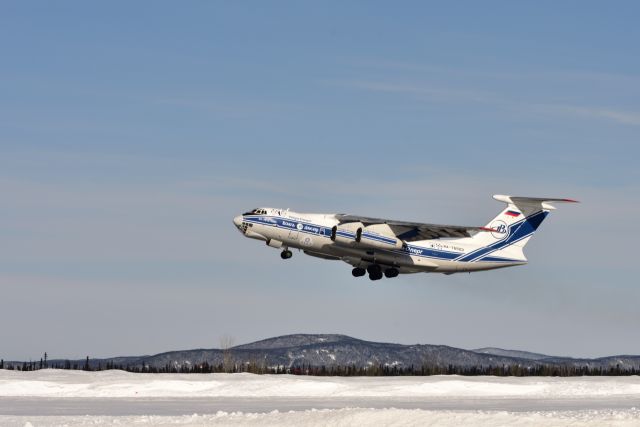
{"x":61,"y":383}
{"x":348,"y":417}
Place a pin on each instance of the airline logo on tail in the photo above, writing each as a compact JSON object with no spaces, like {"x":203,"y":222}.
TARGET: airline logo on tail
{"x":499,"y":229}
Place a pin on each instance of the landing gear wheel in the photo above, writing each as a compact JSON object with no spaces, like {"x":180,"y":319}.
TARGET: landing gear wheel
{"x":391,"y":272}
{"x":374,"y":269}
{"x":375,"y":276}
{"x":286,"y":254}
{"x":375,"y":272}
{"x":358,"y":272}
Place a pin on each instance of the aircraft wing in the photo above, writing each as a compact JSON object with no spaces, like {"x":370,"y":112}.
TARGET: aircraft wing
{"x":412,"y":231}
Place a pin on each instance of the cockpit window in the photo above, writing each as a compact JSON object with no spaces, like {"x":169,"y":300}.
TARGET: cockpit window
{"x":256,"y":212}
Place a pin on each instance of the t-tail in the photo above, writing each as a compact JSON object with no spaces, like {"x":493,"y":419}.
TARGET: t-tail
{"x":512,"y":229}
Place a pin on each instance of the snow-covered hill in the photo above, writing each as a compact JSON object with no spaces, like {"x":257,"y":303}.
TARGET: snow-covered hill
{"x":341,"y":350}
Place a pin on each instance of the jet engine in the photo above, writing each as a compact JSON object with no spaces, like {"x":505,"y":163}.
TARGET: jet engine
{"x":378,"y":236}
{"x":347,"y":234}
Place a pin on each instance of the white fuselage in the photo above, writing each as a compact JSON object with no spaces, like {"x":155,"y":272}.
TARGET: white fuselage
{"x":312,"y":233}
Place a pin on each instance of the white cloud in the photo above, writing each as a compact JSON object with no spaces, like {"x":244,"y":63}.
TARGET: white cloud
{"x":618,"y":116}
{"x":457,"y":95}
{"x":427,"y":91}
{"x":626,"y":81}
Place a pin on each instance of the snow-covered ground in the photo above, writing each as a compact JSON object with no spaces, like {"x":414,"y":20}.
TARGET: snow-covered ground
{"x":55,"y":397}
{"x":114,"y":383}
{"x":347,"y":417}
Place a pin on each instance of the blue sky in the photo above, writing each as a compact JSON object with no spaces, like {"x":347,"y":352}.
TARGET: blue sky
{"x":132,"y":133}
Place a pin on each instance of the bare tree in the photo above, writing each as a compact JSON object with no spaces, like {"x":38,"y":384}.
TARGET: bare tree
{"x":226,"y":344}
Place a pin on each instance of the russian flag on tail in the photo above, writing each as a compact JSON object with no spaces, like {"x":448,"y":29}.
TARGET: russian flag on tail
{"x":512,"y":213}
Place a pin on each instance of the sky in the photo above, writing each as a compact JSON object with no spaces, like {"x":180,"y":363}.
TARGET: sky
{"x":131,"y":134}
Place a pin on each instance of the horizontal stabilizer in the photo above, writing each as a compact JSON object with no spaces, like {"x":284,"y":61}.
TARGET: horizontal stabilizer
{"x":542,"y":202}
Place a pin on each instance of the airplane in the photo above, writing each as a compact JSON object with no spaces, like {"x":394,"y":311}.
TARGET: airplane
{"x":388,"y":247}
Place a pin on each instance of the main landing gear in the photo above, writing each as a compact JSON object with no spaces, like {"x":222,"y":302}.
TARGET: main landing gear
{"x":286,"y":254}
{"x":375,"y":272}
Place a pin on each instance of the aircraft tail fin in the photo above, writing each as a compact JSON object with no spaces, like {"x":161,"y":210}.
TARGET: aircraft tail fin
{"x":513,"y":227}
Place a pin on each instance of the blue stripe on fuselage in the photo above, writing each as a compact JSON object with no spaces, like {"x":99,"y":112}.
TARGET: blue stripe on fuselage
{"x":379,"y":238}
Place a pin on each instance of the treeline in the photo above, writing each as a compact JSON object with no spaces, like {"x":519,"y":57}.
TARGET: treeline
{"x":341,"y":371}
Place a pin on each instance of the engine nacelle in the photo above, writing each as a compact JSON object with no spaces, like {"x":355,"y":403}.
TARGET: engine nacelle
{"x":347,"y":234}
{"x":378,"y":236}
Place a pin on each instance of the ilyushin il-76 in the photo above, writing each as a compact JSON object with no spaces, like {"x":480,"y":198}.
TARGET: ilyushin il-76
{"x":382,"y":247}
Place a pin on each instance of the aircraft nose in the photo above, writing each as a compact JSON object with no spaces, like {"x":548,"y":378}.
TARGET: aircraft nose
{"x":237,"y":220}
